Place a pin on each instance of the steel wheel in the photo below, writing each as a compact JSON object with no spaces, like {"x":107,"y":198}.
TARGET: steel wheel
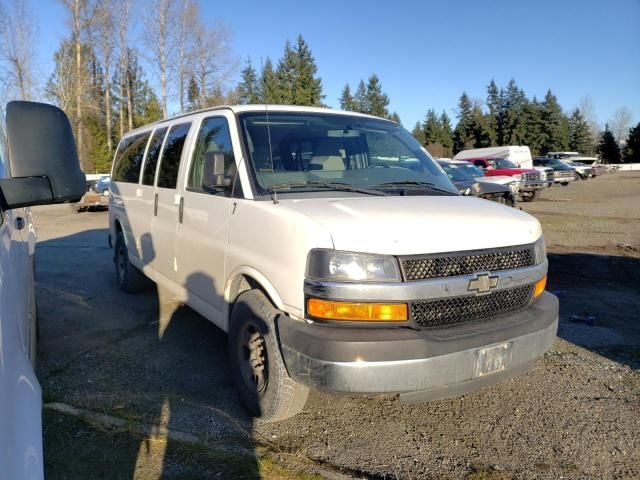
{"x":253,"y":358}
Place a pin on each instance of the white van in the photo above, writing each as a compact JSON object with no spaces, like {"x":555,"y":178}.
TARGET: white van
{"x":333,"y":250}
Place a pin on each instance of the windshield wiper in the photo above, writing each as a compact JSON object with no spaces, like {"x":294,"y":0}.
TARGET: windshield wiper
{"x":416,"y":185}
{"x":340,"y":186}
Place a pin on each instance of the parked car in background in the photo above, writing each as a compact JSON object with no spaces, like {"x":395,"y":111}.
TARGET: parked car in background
{"x":102,"y":184}
{"x":528,"y":182}
{"x":563,"y":174}
{"x":38,"y":166}
{"x":583,"y":171}
{"x":479,"y":175}
{"x":469,"y":185}
{"x":93,"y":199}
{"x":334,"y":251}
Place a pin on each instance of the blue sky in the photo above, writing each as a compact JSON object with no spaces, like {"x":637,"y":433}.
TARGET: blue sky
{"x":426,"y":53}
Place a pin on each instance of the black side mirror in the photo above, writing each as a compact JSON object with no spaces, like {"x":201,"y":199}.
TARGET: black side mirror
{"x":214,"y":177}
{"x":42,"y":157}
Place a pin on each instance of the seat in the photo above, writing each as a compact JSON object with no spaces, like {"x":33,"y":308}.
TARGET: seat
{"x":327,"y":157}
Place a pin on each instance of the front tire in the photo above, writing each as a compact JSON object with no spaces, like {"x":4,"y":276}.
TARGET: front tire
{"x":130,"y":279}
{"x":531,"y":196}
{"x":257,"y":366}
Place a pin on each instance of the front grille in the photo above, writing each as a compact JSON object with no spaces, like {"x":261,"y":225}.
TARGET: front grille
{"x":464,"y":263}
{"x":531,"y":177}
{"x":457,"y":310}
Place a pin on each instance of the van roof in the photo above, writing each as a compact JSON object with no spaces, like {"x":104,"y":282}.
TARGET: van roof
{"x":256,"y":108}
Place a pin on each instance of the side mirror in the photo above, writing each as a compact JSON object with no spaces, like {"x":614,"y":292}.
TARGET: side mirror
{"x":214,"y":178}
{"x":42,"y":155}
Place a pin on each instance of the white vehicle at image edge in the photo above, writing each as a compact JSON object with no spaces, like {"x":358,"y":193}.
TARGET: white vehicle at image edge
{"x":38,"y":165}
{"x":333,"y":250}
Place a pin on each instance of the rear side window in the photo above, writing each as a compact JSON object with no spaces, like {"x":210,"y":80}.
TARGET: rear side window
{"x":171,"y":153}
{"x":153,"y":153}
{"x":213,"y":137}
{"x":128,"y":160}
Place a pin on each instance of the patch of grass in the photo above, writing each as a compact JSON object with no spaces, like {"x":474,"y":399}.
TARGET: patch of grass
{"x":75,"y":448}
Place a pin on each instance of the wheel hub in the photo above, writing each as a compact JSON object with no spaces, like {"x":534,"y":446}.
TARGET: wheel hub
{"x":254,"y":359}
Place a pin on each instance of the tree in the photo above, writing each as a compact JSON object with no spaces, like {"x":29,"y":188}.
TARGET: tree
{"x":632,"y":149}
{"x":269,"y":84}
{"x":432,"y":128}
{"x":608,"y":147}
{"x":105,"y":23}
{"x":122,"y":21}
{"x":579,"y":134}
{"x":533,"y":135}
{"x":513,"y":105}
{"x":347,"y":102}
{"x":446,"y":138}
{"x":377,"y":100}
{"x":189,"y":14}
{"x":464,"y":134}
{"x":494,"y":116}
{"x":296,"y":76}
{"x":418,"y":133}
{"x":249,"y":87}
{"x":394,"y":117}
{"x":360,"y":98}
{"x":17,"y":49}
{"x":555,"y":132}
{"x":588,"y":111}
{"x":481,"y":129}
{"x":158,"y":34}
{"x":307,"y":86}
{"x":620,"y":123}
{"x":212,"y":61}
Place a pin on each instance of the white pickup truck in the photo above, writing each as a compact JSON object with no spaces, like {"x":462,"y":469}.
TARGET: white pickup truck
{"x":333,"y":250}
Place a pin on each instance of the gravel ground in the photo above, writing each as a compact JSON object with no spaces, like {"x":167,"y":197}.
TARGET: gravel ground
{"x":148,"y":359}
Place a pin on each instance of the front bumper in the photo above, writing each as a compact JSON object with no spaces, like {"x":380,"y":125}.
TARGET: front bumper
{"x":432,"y":363}
{"x":531,"y":186}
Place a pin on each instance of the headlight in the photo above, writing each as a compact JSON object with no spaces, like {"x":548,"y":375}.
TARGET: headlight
{"x":540,"y":251}
{"x":348,"y":266}
{"x":518,"y":177}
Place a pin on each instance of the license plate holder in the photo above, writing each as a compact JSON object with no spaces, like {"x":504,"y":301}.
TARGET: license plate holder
{"x":493,"y":359}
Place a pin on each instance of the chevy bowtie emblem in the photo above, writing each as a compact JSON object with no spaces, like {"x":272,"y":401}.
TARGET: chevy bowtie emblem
{"x":483,"y":283}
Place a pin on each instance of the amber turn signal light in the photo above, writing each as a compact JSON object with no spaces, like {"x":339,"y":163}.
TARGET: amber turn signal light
{"x":355,"y":312}
{"x":538,"y":288}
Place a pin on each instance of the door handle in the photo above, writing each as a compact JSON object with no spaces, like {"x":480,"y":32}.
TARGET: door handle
{"x":155,"y":205}
{"x":19,"y":223}
{"x":180,"y":209}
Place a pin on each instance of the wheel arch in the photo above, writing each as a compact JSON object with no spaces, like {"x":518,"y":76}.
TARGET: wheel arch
{"x":240,"y":280}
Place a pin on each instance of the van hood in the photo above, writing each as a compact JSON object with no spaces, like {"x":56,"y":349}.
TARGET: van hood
{"x":414,"y":225}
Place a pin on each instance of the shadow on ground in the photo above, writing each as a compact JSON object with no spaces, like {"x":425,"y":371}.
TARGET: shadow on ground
{"x":142,"y":357}
{"x":599,"y":300}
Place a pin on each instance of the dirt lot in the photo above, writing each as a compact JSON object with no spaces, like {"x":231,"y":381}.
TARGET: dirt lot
{"x":159,"y":373}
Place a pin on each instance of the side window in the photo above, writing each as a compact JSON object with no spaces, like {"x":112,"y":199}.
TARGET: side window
{"x":170,"y":163}
{"x":213,"y":137}
{"x":153,"y":153}
{"x":128,"y":160}
{"x":479,"y":163}
{"x":3,"y":152}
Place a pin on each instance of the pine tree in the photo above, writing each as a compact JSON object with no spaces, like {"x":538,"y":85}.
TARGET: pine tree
{"x":608,"y":147}
{"x":464,"y":135}
{"x":494,"y":116}
{"x":377,"y":100}
{"x":446,"y":138}
{"x":269,"y":84}
{"x":579,"y":133}
{"x":555,"y":133}
{"x":481,"y":129}
{"x":632,"y":149}
{"x":360,"y":98}
{"x":286,"y":76}
{"x":513,"y":104}
{"x":534,"y":124}
{"x":347,"y":102}
{"x":307,"y":87}
{"x":193,"y":94}
{"x":249,"y":86}
{"x":394,"y":117}
{"x":418,"y":133}
{"x":432,"y":128}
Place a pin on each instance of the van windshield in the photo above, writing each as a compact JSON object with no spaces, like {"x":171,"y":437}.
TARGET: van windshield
{"x":318,"y":151}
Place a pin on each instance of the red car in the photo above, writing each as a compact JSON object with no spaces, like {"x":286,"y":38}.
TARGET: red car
{"x":527,"y":179}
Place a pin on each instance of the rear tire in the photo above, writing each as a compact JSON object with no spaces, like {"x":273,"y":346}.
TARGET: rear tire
{"x":130,"y":279}
{"x":257,"y":366}
{"x":531,"y":197}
